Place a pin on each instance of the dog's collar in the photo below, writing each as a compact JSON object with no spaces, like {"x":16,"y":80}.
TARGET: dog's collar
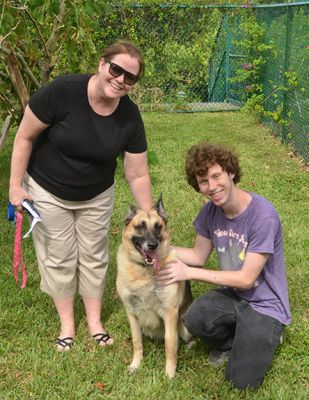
{"x":142,"y":264}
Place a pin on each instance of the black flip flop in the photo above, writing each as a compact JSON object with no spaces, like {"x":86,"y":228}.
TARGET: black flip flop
{"x":65,"y":344}
{"x":102,"y":337}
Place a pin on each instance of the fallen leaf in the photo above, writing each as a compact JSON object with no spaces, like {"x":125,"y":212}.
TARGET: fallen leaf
{"x":100,"y":385}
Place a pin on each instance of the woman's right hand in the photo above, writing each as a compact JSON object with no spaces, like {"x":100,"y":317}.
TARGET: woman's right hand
{"x":17,"y":194}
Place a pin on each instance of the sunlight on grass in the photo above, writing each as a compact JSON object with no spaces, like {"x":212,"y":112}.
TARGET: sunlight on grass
{"x":29,"y":366}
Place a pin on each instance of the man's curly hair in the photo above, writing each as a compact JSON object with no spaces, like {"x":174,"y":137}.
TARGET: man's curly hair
{"x":204,"y":155}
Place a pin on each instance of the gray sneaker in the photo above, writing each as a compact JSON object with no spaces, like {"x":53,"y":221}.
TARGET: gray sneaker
{"x":217,"y":358}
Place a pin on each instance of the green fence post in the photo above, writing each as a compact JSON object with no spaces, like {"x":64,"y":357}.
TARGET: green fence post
{"x":227,"y":56}
{"x":286,"y":67}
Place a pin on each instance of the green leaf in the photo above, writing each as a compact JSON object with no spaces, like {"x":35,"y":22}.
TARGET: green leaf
{"x":54,"y":7}
{"x":7,"y":22}
{"x":36,"y":3}
{"x":153,"y":158}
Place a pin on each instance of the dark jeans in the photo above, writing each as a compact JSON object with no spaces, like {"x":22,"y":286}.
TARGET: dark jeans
{"x":226,"y":322}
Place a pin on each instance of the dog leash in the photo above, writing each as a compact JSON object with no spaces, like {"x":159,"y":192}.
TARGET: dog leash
{"x":17,"y":218}
{"x":18,"y":254}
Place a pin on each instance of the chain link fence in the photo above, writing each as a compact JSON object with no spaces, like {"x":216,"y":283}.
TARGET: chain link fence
{"x":177,"y":43}
{"x":280,"y":89}
{"x":286,"y":77}
{"x":221,"y":58}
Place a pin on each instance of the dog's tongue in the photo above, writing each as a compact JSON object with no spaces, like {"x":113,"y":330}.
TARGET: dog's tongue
{"x":153,"y":259}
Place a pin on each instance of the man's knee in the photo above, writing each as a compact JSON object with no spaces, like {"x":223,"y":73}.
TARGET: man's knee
{"x":191,"y":319}
{"x":198,"y":319}
{"x":209,"y":314}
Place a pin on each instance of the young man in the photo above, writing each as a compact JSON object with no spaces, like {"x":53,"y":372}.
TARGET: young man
{"x":243,"y":319}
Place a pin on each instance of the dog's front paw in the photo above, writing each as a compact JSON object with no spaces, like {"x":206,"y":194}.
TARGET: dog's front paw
{"x":170,"y":371}
{"x":133,"y":367}
{"x":191,"y":344}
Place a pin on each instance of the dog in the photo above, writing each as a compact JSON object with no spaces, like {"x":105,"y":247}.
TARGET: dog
{"x":152,"y":309}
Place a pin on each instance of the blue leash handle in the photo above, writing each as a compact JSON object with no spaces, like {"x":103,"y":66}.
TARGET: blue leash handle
{"x":11,"y":213}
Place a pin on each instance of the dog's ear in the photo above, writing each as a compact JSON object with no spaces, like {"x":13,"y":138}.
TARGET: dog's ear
{"x":130,"y":214}
{"x":159,"y":207}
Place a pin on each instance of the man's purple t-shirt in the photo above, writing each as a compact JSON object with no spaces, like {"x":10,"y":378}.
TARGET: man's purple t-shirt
{"x":256,"y":230}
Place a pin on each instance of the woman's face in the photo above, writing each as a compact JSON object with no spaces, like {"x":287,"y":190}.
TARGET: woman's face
{"x":112,"y":86}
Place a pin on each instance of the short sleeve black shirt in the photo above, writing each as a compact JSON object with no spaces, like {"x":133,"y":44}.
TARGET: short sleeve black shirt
{"x":76,"y":156}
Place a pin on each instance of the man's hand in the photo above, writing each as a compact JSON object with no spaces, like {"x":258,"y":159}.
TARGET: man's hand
{"x":174,"y":271}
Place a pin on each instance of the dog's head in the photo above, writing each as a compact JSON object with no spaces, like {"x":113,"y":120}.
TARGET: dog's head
{"x":145,"y":235}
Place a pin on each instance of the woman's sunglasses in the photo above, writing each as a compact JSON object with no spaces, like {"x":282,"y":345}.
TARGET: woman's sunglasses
{"x":115,"y":70}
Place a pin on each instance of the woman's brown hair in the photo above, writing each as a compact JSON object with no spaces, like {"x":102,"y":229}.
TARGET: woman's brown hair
{"x":125,"y":47}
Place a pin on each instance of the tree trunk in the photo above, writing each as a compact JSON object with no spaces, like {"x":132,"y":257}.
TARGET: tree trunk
{"x":17,"y":79}
{"x":5,"y":130}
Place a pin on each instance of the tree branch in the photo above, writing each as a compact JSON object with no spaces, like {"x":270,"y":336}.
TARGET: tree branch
{"x":5,"y":130}
{"x":2,"y":13}
{"x":2,"y":38}
{"x":20,"y":57}
{"x":54,"y":34}
{"x":38,"y":31}
{"x":45,"y":66}
{"x":17,"y":79}
{"x":4,"y":49}
{"x":27,"y":70}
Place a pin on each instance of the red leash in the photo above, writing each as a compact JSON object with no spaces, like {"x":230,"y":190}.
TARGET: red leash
{"x":18,"y":255}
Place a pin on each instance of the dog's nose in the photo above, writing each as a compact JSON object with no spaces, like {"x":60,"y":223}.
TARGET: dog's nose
{"x":152,"y":245}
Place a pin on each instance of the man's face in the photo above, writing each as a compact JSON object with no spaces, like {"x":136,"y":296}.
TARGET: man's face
{"x":217,"y":185}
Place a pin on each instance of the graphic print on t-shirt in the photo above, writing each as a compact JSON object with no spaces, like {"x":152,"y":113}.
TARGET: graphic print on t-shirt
{"x":231,"y":248}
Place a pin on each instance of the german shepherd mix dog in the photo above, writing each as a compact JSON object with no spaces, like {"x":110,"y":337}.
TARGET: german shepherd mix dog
{"x":152,"y":309}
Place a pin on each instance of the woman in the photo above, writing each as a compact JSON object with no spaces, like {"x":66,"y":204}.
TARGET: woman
{"x":64,"y":159}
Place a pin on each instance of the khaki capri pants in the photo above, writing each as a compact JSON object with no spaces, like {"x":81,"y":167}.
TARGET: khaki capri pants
{"x":71,"y":242}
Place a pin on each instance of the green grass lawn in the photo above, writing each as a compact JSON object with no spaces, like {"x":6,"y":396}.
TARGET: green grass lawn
{"x":30,"y":368}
